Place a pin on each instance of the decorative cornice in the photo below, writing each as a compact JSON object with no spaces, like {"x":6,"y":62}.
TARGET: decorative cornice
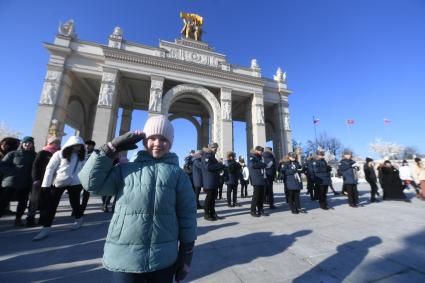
{"x":177,"y":65}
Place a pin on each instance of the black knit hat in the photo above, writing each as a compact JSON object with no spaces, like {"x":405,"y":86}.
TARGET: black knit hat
{"x":292,"y":155}
{"x":28,"y":139}
{"x":213,"y":145}
{"x":368,"y":159}
{"x":259,"y":148}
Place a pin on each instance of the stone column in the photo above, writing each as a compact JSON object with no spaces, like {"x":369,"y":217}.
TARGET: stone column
{"x":287,"y":132}
{"x":106,"y":111}
{"x":248,"y":129}
{"x":53,"y":102}
{"x":205,"y":132}
{"x":284,"y":133}
{"x":125,"y":124}
{"x":226,"y":142}
{"x":257,"y":118}
{"x":155,"y":97}
{"x":126,"y":120}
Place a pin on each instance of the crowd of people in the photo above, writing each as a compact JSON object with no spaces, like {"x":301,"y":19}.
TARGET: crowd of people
{"x":262,"y":170}
{"x":153,"y":228}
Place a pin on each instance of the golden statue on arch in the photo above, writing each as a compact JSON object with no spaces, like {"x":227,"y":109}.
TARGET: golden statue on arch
{"x":192,"y":26}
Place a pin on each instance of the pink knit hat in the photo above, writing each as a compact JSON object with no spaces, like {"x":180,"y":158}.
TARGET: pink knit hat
{"x":159,"y":125}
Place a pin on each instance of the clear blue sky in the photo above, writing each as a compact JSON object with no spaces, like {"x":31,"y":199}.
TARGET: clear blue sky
{"x":358,"y":59}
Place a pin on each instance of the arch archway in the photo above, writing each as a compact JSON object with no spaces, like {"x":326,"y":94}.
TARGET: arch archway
{"x":201,"y":94}
{"x":76,"y":114}
{"x":193,"y":121}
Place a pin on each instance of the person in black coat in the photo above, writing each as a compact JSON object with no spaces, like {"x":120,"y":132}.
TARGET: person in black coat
{"x":90,"y":145}
{"x":197,"y":176}
{"x":311,"y":186}
{"x":391,"y":183}
{"x":270,"y":175}
{"x":211,"y":169}
{"x":16,"y":168}
{"x":39,"y":198}
{"x":291,"y":172}
{"x":7,"y":145}
{"x":370,"y":176}
{"x":257,"y":174}
{"x":348,"y":170}
{"x":233,"y":172}
{"x":322,"y":177}
{"x":222,"y":179}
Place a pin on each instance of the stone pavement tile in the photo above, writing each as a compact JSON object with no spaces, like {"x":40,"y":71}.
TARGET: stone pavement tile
{"x":315,"y":275}
{"x":208,"y":265}
{"x":355,"y":265}
{"x":271,"y":262}
{"x":409,"y":276}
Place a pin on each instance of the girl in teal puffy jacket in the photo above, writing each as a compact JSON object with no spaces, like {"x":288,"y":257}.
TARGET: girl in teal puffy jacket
{"x":153,"y":229}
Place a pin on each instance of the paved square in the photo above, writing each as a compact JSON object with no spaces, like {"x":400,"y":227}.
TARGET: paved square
{"x":379,"y":242}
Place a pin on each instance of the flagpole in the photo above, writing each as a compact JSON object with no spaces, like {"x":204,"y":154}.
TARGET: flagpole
{"x":315,"y":132}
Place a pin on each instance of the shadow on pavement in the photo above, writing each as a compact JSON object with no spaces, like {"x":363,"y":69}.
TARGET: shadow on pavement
{"x":338,"y":266}
{"x":230,"y":252}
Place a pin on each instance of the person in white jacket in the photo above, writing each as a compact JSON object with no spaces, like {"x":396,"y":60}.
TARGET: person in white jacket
{"x":419,"y":176}
{"x":406,"y":175}
{"x":244,"y":179}
{"x":62,"y":174}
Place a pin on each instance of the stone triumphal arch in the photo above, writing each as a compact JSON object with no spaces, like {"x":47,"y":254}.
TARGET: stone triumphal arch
{"x":86,"y":83}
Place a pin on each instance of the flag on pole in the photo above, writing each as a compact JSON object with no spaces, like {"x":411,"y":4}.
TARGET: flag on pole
{"x":350,"y":121}
{"x":387,"y":121}
{"x":316,"y":120}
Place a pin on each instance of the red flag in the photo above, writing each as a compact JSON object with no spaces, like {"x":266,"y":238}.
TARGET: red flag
{"x":387,"y":121}
{"x":350,"y":121}
{"x":316,"y":121}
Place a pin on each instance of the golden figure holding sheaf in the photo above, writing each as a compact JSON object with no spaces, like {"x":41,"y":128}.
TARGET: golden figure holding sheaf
{"x":192,"y":26}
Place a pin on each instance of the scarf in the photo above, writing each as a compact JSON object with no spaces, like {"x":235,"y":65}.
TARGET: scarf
{"x":52,"y":148}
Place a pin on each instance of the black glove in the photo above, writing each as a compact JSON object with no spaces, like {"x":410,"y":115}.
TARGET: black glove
{"x":125,"y":142}
{"x":184,"y":260}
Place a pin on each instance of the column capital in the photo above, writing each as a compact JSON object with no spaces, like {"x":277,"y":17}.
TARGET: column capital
{"x":157,"y":78}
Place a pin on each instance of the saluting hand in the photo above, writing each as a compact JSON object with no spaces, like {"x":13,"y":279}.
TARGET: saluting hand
{"x":127,"y":141}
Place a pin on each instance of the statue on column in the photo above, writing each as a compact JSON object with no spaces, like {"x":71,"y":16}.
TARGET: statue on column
{"x":106,"y":93}
{"x":227,"y":110}
{"x":155,"y":97}
{"x":260,"y":114}
{"x":54,"y":130}
{"x":155,"y":100}
{"x":286,"y":122}
{"x":49,"y":93}
{"x":67,"y":28}
{"x":192,"y":26}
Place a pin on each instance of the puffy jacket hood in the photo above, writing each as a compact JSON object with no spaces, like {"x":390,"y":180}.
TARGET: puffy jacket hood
{"x":73,"y":140}
{"x":170,"y":158}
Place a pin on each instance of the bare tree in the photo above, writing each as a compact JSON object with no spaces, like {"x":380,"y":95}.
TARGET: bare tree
{"x":410,"y":152}
{"x":386,"y":149}
{"x":326,"y":143}
{"x":5,"y":131}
